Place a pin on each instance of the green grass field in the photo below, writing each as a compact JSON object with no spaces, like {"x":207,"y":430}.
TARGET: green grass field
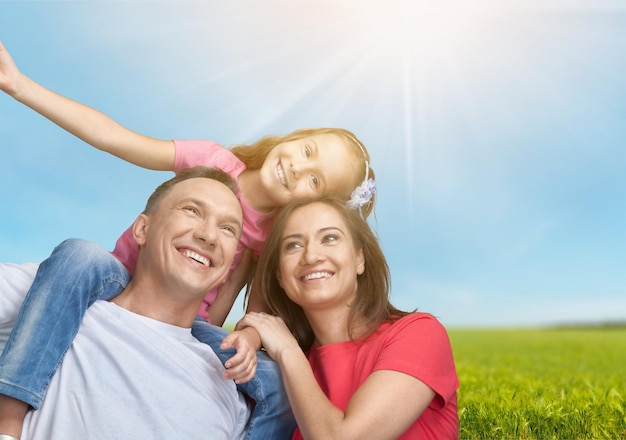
{"x":541,"y":384}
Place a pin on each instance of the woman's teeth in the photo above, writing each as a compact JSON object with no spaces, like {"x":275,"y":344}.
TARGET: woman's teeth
{"x":316,"y":276}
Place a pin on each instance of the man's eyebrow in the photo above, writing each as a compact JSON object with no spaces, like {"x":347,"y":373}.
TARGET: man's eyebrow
{"x":237,"y":221}
{"x":193,"y":200}
{"x":205,"y":206}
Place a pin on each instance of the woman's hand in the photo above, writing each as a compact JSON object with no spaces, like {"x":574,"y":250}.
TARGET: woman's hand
{"x":275,"y":336}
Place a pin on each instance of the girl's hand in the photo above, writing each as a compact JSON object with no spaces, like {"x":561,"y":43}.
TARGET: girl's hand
{"x":275,"y":336}
{"x":88,"y":124}
{"x":9,"y":75}
{"x":242,"y":366}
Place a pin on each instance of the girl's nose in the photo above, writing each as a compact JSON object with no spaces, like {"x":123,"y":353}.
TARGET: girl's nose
{"x":298,"y":169}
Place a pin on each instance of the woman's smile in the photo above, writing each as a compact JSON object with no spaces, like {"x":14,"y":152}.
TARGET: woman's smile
{"x":317,"y":276}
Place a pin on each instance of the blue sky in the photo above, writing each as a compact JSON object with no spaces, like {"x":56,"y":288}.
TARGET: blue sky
{"x":497,"y":131}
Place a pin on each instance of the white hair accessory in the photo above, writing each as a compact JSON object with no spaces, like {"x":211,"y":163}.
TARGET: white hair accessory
{"x":363,"y":193}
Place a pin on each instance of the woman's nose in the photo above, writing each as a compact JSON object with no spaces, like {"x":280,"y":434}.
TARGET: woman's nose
{"x":312,"y":254}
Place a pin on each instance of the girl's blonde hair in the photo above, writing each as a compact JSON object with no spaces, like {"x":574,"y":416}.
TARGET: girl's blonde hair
{"x":254,"y":155}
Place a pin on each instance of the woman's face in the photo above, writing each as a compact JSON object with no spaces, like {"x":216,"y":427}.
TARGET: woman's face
{"x":318,"y":264}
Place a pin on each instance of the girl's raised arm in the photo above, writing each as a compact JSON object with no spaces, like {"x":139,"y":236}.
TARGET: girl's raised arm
{"x":88,"y":124}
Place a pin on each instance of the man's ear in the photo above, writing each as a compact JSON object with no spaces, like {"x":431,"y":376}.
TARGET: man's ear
{"x":140,"y":229}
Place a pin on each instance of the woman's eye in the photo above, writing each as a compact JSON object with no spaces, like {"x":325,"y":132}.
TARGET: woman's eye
{"x":315,"y":181}
{"x":292,"y":245}
{"x":307,"y":151}
{"x":329,"y":238}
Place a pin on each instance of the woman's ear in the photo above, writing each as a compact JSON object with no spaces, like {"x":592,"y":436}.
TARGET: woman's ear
{"x":278,"y":278}
{"x":140,"y":229}
{"x":360,"y":262}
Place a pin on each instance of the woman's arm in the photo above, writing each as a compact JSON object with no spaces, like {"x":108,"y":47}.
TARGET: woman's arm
{"x":86,"y":123}
{"x":383,"y":407}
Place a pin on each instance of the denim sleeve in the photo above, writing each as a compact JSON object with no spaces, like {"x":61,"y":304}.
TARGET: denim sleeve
{"x":76,"y":274}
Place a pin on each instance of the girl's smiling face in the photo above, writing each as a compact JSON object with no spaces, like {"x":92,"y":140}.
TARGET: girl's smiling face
{"x":319,"y":264}
{"x":313,"y":166}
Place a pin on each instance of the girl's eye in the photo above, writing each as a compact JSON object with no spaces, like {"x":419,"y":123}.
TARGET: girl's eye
{"x":315,"y":181}
{"x":307,"y":151}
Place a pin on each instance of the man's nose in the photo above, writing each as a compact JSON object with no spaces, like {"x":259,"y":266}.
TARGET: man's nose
{"x":206,"y":233}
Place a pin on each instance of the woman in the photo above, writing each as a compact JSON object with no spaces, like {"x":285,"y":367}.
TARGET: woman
{"x":353,"y":365}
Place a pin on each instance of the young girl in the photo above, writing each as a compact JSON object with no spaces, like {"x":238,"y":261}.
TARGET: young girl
{"x":271,"y":172}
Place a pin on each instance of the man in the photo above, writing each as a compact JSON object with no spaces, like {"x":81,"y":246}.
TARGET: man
{"x":134,"y":369}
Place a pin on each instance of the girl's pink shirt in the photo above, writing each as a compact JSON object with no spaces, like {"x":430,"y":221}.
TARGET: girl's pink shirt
{"x":255,"y":223}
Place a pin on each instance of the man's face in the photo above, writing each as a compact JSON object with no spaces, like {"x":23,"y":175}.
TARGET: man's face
{"x":189,"y":242}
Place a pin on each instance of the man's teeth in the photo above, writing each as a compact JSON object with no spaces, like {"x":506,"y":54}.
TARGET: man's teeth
{"x":281,"y":174}
{"x":316,"y":276}
{"x":199,"y":258}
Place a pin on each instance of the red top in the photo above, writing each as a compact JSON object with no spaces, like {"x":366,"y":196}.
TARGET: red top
{"x":417,"y":345}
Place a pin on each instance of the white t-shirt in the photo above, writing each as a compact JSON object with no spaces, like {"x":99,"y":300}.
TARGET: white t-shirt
{"x":15,"y":280}
{"x":127,"y":376}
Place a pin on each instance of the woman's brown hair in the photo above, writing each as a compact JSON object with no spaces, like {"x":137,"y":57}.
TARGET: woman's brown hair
{"x":371,"y":305}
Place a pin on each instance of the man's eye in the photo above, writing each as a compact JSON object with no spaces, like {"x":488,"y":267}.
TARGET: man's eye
{"x":192,"y":209}
{"x":230,"y":230}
